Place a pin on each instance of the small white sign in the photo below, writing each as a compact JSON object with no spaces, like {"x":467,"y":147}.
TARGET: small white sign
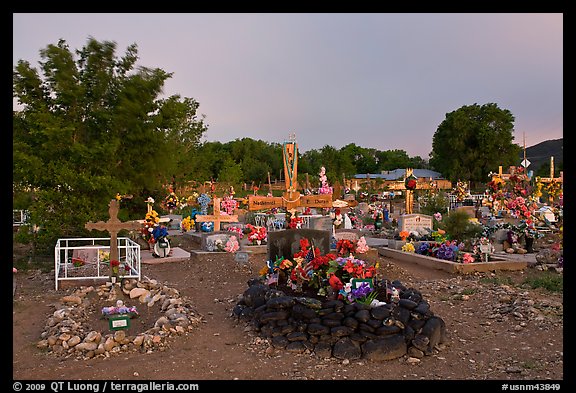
{"x":485,"y":248}
{"x":119,"y":323}
{"x":525,"y":163}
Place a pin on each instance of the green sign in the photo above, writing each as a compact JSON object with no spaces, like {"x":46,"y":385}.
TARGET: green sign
{"x":119,"y":322}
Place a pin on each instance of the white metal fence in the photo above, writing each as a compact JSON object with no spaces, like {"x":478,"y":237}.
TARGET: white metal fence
{"x":19,"y":217}
{"x":93,"y":267}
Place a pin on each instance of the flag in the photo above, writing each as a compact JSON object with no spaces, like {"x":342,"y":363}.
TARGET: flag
{"x":272,"y":279}
{"x":308,"y":268}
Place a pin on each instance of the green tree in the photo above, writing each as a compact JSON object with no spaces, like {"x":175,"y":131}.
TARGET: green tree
{"x":473,"y":141}
{"x":91,"y":125}
{"x":231,"y":172}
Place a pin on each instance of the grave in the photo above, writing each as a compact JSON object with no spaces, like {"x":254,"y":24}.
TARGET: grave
{"x":453,"y":267}
{"x":415,"y":222}
{"x":286,"y":243}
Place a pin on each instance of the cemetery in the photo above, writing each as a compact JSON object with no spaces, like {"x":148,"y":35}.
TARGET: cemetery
{"x":316,"y":268}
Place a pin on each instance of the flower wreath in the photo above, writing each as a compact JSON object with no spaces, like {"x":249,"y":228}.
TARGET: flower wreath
{"x":410,"y":182}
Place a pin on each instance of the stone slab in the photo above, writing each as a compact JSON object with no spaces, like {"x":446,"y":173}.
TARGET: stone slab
{"x":178,"y":255}
{"x":453,"y":267}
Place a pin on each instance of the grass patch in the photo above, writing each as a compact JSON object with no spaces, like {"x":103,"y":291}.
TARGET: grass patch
{"x":549,"y":281}
{"x":468,"y":291}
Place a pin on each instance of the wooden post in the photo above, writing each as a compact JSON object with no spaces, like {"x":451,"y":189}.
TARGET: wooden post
{"x":113,"y":226}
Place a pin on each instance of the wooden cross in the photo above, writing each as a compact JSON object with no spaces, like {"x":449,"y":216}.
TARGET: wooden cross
{"x":113,"y":226}
{"x":291,"y":198}
{"x":409,"y":204}
{"x":217,"y":217}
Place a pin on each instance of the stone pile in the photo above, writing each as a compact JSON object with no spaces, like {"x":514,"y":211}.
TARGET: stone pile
{"x":333,"y":328}
{"x":67,"y":332}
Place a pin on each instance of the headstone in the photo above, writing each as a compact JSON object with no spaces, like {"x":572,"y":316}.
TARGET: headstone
{"x":415,"y":222}
{"x":346,"y":235}
{"x":211,"y":240}
{"x":175,"y":221}
{"x":286,"y":243}
{"x":484,"y":211}
{"x":87,"y":255}
{"x":323,"y":223}
{"x":363,"y":207}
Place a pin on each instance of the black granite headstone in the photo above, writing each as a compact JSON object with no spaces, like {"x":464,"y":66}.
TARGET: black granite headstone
{"x":286,"y":243}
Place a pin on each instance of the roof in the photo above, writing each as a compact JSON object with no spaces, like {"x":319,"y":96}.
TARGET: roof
{"x":398,"y":174}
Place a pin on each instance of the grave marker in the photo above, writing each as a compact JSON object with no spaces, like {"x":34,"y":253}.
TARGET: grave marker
{"x":415,"y":222}
{"x":217,"y":217}
{"x":291,"y":198}
{"x":113,"y":226}
{"x":287,"y":243}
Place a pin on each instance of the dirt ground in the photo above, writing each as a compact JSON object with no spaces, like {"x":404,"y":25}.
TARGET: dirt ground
{"x":497,"y":329}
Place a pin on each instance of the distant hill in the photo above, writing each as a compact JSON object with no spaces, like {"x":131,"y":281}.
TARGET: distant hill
{"x":540,"y":154}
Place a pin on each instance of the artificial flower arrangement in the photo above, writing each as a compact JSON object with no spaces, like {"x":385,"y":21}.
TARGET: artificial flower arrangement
{"x":345,"y":247}
{"x":186,"y":224}
{"x":337,"y":218}
{"x":77,"y":262}
{"x":324,"y":187}
{"x":479,"y":244}
{"x":514,"y":196}
{"x":408,"y":247}
{"x":171,"y":201}
{"x":118,"y":269}
{"x":404,"y":235}
{"x":160,"y":234}
{"x":203,"y":200}
{"x":237,"y":231}
{"x":232,"y":245}
{"x":207,"y":226}
{"x":362,"y":246}
{"x":447,"y":250}
{"x":151,"y":221}
{"x":120,"y":309}
{"x":293,"y":220}
{"x":257,"y":235}
{"x":327,"y":275}
{"x":228,"y":205}
{"x":411,"y":182}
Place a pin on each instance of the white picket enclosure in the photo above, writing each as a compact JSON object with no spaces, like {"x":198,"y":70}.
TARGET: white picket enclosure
{"x":128,"y":254}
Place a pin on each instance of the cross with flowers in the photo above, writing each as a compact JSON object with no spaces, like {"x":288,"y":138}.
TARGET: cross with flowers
{"x":217,"y":217}
{"x":113,"y":226}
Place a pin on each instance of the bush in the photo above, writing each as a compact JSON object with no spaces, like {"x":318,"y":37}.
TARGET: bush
{"x":437,"y":203}
{"x":458,"y":226}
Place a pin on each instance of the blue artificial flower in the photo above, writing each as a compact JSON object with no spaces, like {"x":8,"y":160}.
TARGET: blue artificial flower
{"x":159,"y":232}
